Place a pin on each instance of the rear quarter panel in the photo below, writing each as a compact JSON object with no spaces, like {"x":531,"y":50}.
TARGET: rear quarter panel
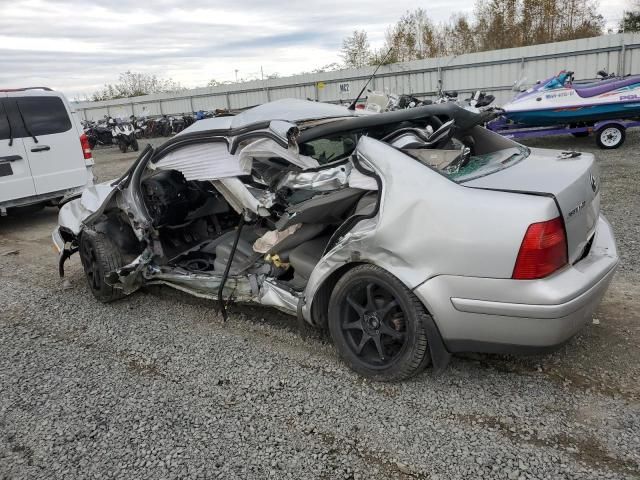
{"x":428,"y":225}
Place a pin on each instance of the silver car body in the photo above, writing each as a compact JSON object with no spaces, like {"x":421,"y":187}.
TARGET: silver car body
{"x":453,"y":244}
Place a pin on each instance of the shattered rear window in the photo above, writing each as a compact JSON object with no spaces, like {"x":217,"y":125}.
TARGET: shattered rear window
{"x":486,"y":164}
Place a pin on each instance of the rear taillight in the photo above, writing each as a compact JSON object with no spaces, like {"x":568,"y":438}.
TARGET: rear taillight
{"x":86,"y":148}
{"x":543,"y":250}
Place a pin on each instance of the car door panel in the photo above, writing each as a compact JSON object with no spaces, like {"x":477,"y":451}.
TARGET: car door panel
{"x":15,"y":175}
{"x":55,"y":155}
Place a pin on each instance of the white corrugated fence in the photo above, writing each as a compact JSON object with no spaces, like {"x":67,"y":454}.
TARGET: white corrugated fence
{"x":494,"y":72}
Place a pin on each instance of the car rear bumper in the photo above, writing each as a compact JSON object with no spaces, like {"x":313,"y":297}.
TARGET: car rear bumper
{"x":521,"y":316}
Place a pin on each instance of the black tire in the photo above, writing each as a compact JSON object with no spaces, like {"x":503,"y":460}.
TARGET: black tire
{"x":26,"y":209}
{"x":378,"y":326}
{"x":99,"y":256}
{"x":610,"y":136}
{"x":122,"y":146}
{"x":134,"y":146}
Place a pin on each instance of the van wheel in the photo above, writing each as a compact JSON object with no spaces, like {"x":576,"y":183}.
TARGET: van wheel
{"x":122,"y":146}
{"x":99,"y":256}
{"x":378,"y":326}
{"x":610,"y":136}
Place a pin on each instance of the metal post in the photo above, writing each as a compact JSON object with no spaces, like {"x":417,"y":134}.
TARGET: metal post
{"x":226,"y":97}
{"x":160,"y":106}
{"x":191,"y":104}
{"x":622,"y":62}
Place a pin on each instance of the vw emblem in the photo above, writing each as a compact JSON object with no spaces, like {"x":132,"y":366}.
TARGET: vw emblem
{"x":594,"y":183}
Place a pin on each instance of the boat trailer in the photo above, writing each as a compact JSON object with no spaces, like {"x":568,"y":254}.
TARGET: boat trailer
{"x":609,"y":134}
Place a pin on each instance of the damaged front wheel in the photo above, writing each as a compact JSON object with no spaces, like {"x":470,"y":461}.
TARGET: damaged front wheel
{"x":99,"y":256}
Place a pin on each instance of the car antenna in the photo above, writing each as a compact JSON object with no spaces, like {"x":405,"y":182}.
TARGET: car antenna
{"x":353,"y":105}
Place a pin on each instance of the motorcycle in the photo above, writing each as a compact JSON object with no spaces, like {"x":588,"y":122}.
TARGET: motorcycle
{"x":177,"y":124}
{"x":480,"y":99}
{"x":124,"y":135}
{"x":138,"y":125}
{"x":98,"y":134}
{"x":161,"y":127}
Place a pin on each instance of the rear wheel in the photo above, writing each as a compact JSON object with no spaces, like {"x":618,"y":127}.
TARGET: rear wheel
{"x":122,"y":146}
{"x":610,"y":136}
{"x":378,"y":325}
{"x":99,"y":256}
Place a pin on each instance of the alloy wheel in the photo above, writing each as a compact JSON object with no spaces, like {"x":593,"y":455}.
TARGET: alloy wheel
{"x":373,"y":324}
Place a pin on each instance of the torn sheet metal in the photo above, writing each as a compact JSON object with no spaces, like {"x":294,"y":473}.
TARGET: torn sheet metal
{"x":129,"y":278}
{"x":267,"y":148}
{"x":322,"y":181}
{"x":206,"y":161}
{"x":287,"y":131}
{"x":359,"y":180}
{"x":202,"y":285}
{"x":241,"y":198}
{"x":280,"y":298}
{"x":74,"y":212}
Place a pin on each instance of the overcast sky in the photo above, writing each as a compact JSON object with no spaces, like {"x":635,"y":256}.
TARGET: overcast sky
{"x":79,"y":45}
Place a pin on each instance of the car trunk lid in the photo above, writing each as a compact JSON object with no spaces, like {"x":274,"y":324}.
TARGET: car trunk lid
{"x":571,"y":178}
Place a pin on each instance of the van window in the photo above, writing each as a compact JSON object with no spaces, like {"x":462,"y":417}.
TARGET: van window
{"x":44,"y":115}
{"x":4,"y":122}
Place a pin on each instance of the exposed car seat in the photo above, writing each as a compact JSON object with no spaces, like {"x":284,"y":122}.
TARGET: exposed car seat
{"x":303,"y":234}
{"x":327,"y":208}
{"x":305,"y":257}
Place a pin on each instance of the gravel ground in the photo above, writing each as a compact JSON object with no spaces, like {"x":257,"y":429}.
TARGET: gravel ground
{"x":157,"y":386}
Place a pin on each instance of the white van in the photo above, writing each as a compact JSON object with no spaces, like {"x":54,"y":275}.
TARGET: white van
{"x":44,"y":155}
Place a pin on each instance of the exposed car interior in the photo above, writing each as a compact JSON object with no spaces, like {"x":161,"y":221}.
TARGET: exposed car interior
{"x":196,"y":227}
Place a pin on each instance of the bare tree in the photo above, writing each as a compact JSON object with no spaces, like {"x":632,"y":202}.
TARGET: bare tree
{"x":495,"y":24}
{"x":132,"y":84}
{"x":356,"y":51}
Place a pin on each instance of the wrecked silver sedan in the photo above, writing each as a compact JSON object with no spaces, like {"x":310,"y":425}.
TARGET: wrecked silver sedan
{"x":409,"y":235}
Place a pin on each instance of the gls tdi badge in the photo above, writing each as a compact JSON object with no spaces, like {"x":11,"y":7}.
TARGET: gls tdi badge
{"x":579,"y":207}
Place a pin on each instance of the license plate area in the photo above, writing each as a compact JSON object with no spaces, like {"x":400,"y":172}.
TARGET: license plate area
{"x":5,"y":169}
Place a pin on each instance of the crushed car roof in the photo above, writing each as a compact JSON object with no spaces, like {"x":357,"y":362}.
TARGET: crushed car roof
{"x":288,"y":109}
